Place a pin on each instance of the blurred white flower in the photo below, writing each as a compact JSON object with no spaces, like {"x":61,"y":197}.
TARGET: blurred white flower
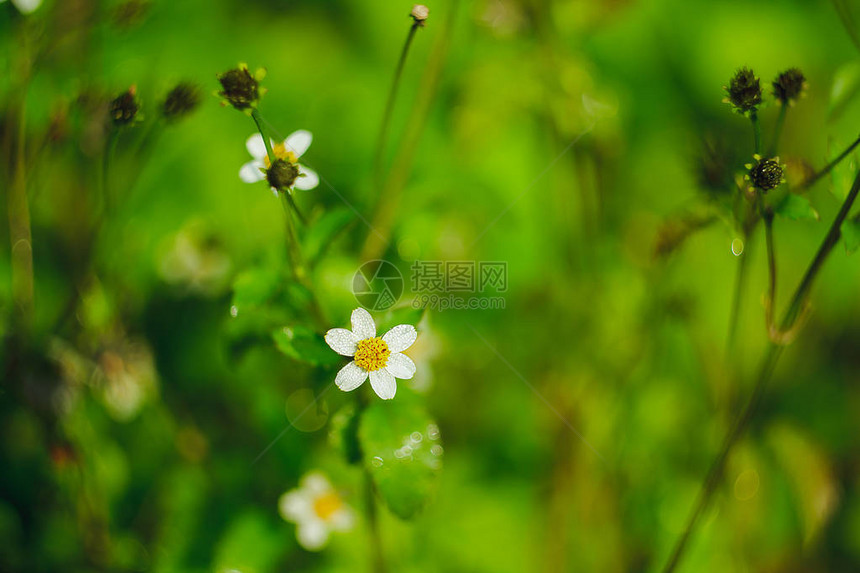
{"x":316,"y":509}
{"x":129,"y":379}
{"x":194,"y":259}
{"x":25,"y":6}
{"x":380,"y":358}
{"x":290,"y":150}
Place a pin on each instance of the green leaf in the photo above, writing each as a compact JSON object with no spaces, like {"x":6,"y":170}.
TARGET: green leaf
{"x":343,"y":434}
{"x":324,"y":231}
{"x":303,"y":344}
{"x":846,"y":86}
{"x":796,"y":208}
{"x":401,"y":449}
{"x":842,"y":176}
{"x":851,"y":234}
{"x":254,"y":287}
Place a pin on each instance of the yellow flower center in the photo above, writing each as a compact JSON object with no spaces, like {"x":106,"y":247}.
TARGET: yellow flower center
{"x":281,"y":152}
{"x":327,"y":505}
{"x":372,"y":354}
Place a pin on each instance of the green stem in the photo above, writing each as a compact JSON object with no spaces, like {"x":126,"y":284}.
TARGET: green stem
{"x":259,"y":121}
{"x":827,"y":168}
{"x":756,"y":125}
{"x":389,"y":104}
{"x":20,"y":235}
{"x":294,"y":251}
{"x":771,"y":269}
{"x":777,"y":130}
{"x":377,"y":556}
{"x":737,"y":296}
{"x":388,"y":201}
{"x":774,"y":351}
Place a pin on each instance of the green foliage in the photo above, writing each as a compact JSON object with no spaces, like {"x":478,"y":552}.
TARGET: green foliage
{"x":401,"y":450}
{"x":796,"y":208}
{"x":851,"y":234}
{"x":304,"y":345}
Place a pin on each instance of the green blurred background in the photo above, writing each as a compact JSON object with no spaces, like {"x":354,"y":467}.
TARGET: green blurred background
{"x":560,"y":137}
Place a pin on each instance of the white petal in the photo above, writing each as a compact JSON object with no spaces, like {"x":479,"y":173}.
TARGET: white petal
{"x":362,"y":324}
{"x":295,"y":506}
{"x":255,"y":146}
{"x":400,"y":337}
{"x":315,"y":484}
{"x":250,"y":172}
{"x":400,"y":366}
{"x":27,"y":6}
{"x":350,"y":377}
{"x":341,"y":341}
{"x":307,"y":179}
{"x":383,"y":383}
{"x":299,"y":141}
{"x":312,"y":534}
{"x":343,"y":519}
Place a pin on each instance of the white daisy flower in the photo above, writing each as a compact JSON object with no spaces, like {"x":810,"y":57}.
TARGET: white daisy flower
{"x":26,"y":6}
{"x":290,"y":150}
{"x":316,"y":509}
{"x":378,"y":357}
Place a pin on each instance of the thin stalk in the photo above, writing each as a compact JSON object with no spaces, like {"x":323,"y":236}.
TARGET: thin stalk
{"x":294,"y":251}
{"x":377,"y":556}
{"x":389,"y":197}
{"x":20,"y":235}
{"x":774,"y":351}
{"x":259,"y":121}
{"x":737,"y":296}
{"x":771,"y":270}
{"x":756,"y":125}
{"x":829,"y":167}
{"x":389,"y":103}
{"x":777,"y":130}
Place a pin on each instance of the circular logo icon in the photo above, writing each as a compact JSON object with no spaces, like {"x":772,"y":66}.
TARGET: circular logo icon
{"x":377,"y":285}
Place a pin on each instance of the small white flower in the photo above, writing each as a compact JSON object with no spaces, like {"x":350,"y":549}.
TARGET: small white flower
{"x":316,"y":509}
{"x":290,"y":150}
{"x":380,"y":358}
{"x":26,"y":6}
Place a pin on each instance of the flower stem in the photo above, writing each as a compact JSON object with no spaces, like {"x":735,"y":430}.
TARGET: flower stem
{"x":756,"y":125}
{"x":389,"y":104}
{"x":737,"y":296}
{"x":20,"y":235}
{"x":377,"y":556}
{"x":774,"y":351}
{"x":389,"y":197}
{"x":829,"y":167}
{"x":294,"y":251}
{"x":770,"y":302}
{"x":777,"y":130}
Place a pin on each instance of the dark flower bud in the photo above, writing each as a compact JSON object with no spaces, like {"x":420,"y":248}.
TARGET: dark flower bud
{"x":765,"y":174}
{"x":282,"y":174}
{"x":180,"y":101}
{"x":125,"y":108}
{"x":420,"y":13}
{"x":240,"y":88}
{"x":131,"y":13}
{"x":744,"y":91}
{"x":789,"y":86}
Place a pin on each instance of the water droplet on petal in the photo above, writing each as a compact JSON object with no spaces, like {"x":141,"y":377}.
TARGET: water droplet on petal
{"x":416,"y":437}
{"x":234,"y":311}
{"x":437,"y":450}
{"x":376,"y":462}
